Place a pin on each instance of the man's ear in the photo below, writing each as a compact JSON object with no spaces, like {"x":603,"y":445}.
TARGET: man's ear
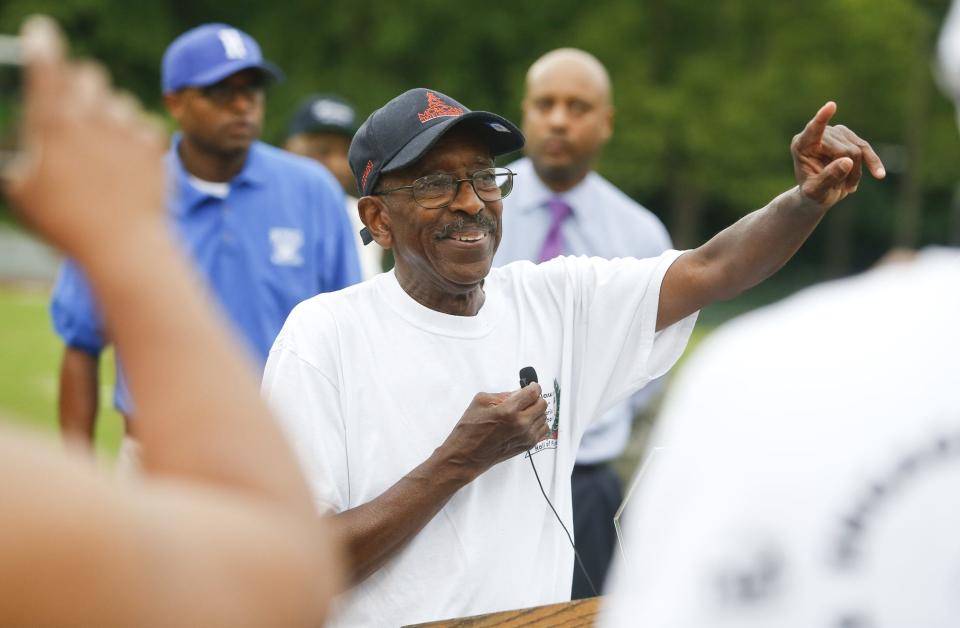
{"x":607,"y":131}
{"x":173,"y":102}
{"x":376,"y":217}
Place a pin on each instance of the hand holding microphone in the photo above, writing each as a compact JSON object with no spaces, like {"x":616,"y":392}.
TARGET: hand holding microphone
{"x":498,"y":426}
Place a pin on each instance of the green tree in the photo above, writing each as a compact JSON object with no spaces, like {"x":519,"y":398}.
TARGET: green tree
{"x":708,"y":94}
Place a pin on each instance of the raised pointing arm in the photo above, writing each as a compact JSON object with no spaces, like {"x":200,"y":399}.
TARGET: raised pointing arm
{"x":827,"y":164}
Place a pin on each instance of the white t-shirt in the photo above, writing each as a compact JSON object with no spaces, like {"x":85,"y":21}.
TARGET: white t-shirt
{"x":811,"y":468}
{"x":368,"y":383}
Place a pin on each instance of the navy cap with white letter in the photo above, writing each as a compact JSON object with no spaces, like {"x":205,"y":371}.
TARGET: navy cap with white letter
{"x":210,"y":53}
{"x":403,"y":130}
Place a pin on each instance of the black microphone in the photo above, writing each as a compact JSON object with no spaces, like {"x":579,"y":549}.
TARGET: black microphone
{"x":527,"y":376}
{"x":365,"y":236}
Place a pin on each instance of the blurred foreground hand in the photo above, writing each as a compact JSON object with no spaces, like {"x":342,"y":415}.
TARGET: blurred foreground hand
{"x":222,"y":529}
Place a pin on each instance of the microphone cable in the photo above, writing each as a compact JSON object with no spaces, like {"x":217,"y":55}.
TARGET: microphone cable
{"x":527,"y":376}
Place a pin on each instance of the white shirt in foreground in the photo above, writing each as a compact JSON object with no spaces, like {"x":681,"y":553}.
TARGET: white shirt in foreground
{"x":812,"y":466}
{"x":368,"y":383}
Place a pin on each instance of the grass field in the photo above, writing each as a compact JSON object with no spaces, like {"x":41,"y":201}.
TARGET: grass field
{"x":30,"y":363}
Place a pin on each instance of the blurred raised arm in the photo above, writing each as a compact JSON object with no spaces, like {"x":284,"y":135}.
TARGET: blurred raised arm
{"x":222,"y":531}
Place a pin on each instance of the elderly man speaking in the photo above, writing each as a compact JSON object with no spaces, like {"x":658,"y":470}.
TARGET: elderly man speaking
{"x":440,"y":509}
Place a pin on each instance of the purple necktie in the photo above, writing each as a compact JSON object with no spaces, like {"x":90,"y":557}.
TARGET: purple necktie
{"x":553,"y":243}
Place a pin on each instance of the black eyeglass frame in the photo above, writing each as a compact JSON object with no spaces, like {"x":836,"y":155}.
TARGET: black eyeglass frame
{"x":456,"y":187}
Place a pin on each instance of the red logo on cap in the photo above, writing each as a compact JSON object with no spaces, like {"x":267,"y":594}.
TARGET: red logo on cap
{"x":366,"y":173}
{"x":436,"y":108}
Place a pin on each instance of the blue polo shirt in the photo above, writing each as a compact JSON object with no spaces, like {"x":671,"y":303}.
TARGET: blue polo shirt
{"x":281,"y":235}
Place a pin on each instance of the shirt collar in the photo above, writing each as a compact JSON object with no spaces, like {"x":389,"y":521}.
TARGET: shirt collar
{"x":534,"y":194}
{"x":189,"y":197}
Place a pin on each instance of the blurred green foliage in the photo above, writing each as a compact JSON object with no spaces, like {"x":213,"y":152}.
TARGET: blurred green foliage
{"x":708,"y":94}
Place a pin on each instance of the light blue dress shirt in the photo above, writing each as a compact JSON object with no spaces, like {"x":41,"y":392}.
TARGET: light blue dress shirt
{"x":605,"y":223}
{"x":279,"y":236}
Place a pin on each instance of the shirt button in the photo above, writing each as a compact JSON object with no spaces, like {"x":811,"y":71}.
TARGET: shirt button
{"x":227,"y":237}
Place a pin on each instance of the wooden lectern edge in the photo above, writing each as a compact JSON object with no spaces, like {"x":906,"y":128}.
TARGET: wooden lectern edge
{"x":575,"y":614}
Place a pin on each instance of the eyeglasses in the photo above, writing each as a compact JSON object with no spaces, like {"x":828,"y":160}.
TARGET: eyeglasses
{"x":438,"y":190}
{"x":223,"y":93}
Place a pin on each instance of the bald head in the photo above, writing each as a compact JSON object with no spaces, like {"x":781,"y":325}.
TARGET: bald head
{"x":567,"y":115}
{"x":571,"y":64}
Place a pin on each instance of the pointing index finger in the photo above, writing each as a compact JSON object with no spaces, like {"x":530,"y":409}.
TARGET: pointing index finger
{"x":813,"y":132}
{"x":43,"y":53}
{"x":41,"y":40}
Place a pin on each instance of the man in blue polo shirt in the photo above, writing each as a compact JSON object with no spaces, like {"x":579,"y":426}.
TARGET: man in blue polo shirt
{"x":266,"y":229}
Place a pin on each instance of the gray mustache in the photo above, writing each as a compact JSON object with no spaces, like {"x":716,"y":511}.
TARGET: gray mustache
{"x":480,"y":222}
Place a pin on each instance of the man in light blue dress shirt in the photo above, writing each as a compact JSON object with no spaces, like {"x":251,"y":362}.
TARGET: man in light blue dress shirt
{"x":560,"y":206}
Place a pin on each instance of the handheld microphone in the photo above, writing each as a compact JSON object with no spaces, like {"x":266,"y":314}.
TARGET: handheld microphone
{"x":528,"y":375}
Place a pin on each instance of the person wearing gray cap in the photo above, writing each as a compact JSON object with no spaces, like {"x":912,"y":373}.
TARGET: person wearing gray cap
{"x":321,"y":128}
{"x":442,"y":511}
{"x":265,"y":229}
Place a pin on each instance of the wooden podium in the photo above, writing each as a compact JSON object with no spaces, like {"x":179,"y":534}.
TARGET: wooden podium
{"x":576,"y":614}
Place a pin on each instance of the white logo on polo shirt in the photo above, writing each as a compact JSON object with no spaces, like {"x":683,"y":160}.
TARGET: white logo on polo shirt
{"x":286,"y":243}
{"x":233,"y":45}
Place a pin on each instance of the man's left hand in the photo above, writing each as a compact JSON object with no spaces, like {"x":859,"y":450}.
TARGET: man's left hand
{"x":828,"y":160}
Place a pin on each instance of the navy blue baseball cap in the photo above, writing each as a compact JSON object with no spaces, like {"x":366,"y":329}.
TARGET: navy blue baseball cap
{"x":324,"y":113}
{"x":210,"y":53}
{"x":403,"y":130}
